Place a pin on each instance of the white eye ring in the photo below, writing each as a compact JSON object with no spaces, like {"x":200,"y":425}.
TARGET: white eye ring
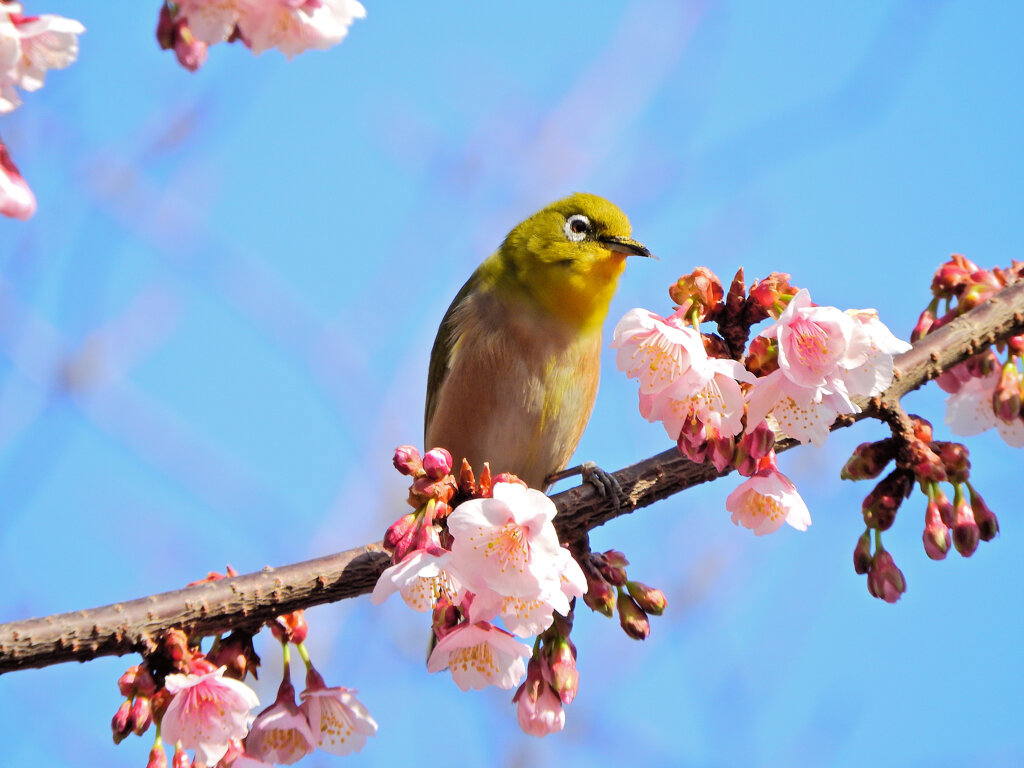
{"x":577,"y":227}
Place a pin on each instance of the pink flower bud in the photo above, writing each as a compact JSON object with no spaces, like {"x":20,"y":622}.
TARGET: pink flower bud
{"x":720,"y":451}
{"x":880,"y":506}
{"x":1015,"y":344}
{"x":885,"y":580}
{"x":924,"y":324}
{"x":869,"y":459}
{"x":612,"y":565}
{"x":126,"y":682}
{"x":651,"y":600}
{"x":988,"y":524}
{"x":965,"y":528}
{"x":632,"y":618}
{"x":922,"y":428}
{"x":565,"y":678}
{"x":862,"y":554}
{"x":955,"y":460}
{"x":157,"y":755}
{"x":140,"y":716}
{"x":445,"y":616}
{"x":407,"y":460}
{"x":180,"y":759}
{"x":936,"y":536}
{"x":119,"y":724}
{"x":600,"y":595}
{"x":762,"y":356}
{"x":437,"y":463}
{"x":1006,"y":398}
{"x":951,"y":278}
{"x":400,"y":530}
{"x":927,"y":465}
{"x":700,"y":290}
{"x":768,"y":297}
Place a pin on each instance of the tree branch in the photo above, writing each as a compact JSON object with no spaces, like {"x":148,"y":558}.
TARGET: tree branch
{"x":249,"y":600}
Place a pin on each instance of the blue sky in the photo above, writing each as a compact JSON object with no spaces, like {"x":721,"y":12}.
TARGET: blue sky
{"x":241,"y":271}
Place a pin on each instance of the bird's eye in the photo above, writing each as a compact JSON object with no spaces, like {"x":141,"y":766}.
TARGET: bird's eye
{"x":577,"y":227}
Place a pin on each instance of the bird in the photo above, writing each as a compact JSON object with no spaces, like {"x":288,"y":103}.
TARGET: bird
{"x":515,"y":365}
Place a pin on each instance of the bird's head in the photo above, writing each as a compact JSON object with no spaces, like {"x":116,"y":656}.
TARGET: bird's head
{"x":567,"y":258}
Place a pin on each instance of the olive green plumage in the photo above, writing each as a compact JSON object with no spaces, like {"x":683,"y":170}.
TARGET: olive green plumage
{"x":515,"y":365}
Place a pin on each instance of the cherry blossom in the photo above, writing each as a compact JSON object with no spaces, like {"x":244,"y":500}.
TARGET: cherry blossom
{"x":280,"y":734}
{"x":969,"y":410}
{"x":538,"y":708}
{"x":211,"y":21}
{"x":29,"y":46}
{"x":656,"y":350}
{"x":420,"y":578}
{"x":478,"y":655}
{"x":294,"y":26}
{"x":16,"y":198}
{"x":206,"y":712}
{"x":506,"y":543}
{"x":766,"y":500}
{"x":337,"y":719}
{"x":795,"y":408}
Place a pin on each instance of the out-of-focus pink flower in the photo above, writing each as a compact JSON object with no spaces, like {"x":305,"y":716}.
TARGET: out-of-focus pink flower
{"x":764,"y":501}
{"x":479,"y":655}
{"x":656,"y":350}
{"x":206,"y":712}
{"x":969,"y":410}
{"x":506,"y":543}
{"x":420,"y":578}
{"x":211,"y":21}
{"x":280,"y":734}
{"x":16,"y":199}
{"x":30,"y":45}
{"x":294,"y":26}
{"x":538,"y":708}
{"x":336,"y":717}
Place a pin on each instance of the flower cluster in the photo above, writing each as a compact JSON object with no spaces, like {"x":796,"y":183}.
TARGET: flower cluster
{"x":985,"y":391}
{"x":200,"y":703}
{"x":797,"y":376}
{"x":189,"y":27}
{"x":478,"y":552}
{"x":29,"y":46}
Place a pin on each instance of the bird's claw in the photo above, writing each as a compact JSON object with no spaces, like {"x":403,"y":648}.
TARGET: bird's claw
{"x":604,"y":482}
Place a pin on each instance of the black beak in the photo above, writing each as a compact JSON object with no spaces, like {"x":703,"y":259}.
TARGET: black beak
{"x":626,"y":245}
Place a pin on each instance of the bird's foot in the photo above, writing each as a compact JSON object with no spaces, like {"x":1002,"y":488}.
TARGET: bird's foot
{"x":604,"y":482}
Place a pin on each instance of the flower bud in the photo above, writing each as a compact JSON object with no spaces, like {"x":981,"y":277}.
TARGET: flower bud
{"x":407,"y":460}
{"x":140,"y":715}
{"x":600,"y":595}
{"x":769,"y":297}
{"x":862,"y":554}
{"x":1006,"y":398}
{"x":180,"y":759}
{"x":612,"y":565}
{"x":190,"y":52}
{"x":951,"y":278}
{"x":175,"y":648}
{"x":157,"y":755}
{"x":762,"y":356}
{"x":955,"y":461}
{"x":445,"y":616}
{"x":401,"y":531}
{"x":721,"y":450}
{"x":965,"y":528}
{"x":288,"y":628}
{"x":927,"y":465}
{"x":1015,"y":344}
{"x":651,"y":600}
{"x":236,"y":651}
{"x":885,"y":580}
{"x":716,"y":346}
{"x":120,"y":726}
{"x":988,"y":524}
{"x":924,"y":324}
{"x":868,"y":460}
{"x":632,"y":619}
{"x":701,"y":289}
{"x":126,"y":682}
{"x":975,"y":295}
{"x":936,"y":536}
{"x":158,"y":703}
{"x":880,"y":506}
{"x":565,"y":678}
{"x":922,"y":428}
{"x":437,"y":463}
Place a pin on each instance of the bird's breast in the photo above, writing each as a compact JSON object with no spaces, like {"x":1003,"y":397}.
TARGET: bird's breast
{"x":519,"y":390}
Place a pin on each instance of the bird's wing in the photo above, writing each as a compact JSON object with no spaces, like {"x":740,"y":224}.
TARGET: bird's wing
{"x":442,"y":353}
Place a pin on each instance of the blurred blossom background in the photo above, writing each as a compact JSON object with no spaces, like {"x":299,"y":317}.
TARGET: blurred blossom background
{"x":216,"y":329}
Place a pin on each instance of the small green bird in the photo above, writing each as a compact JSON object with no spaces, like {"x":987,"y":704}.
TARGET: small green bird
{"x":515,"y":365}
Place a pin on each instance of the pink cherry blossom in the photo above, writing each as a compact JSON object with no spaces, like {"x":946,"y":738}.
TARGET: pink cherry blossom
{"x":817,"y":345}
{"x":795,"y":408}
{"x":206,"y":712}
{"x":766,"y":500}
{"x":336,"y":717}
{"x":656,"y":350}
{"x":479,"y":655}
{"x":506,"y":543}
{"x":420,"y":578}
{"x":969,"y":410}
{"x":211,"y":21}
{"x":280,"y":734}
{"x":711,"y":395}
{"x":16,"y":198}
{"x":28,"y":47}
{"x":294,"y":26}
{"x":538,"y":708}
{"x":875,"y":375}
